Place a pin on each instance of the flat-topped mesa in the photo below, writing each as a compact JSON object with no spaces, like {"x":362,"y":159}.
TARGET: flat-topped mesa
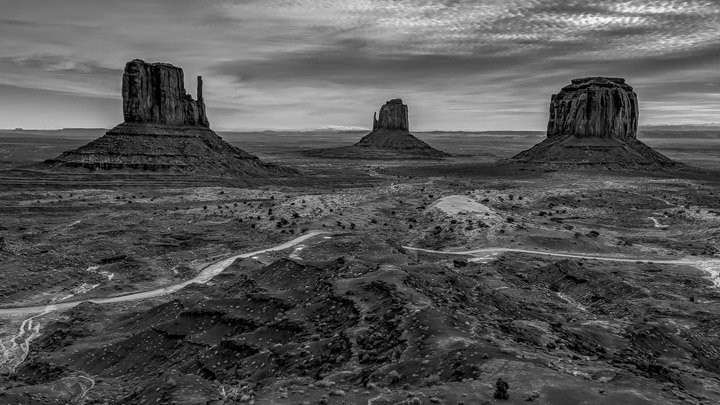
{"x":596,"y":107}
{"x":393,"y":116}
{"x":593,"y":121}
{"x":154,"y":93}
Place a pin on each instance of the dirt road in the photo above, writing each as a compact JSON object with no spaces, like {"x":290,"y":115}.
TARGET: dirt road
{"x":204,"y":276}
{"x":710,"y":266}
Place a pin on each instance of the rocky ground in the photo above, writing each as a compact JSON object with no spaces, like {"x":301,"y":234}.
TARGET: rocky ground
{"x":354,"y":317}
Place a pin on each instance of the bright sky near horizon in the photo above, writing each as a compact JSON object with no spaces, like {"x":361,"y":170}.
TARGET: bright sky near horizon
{"x":295,"y":64}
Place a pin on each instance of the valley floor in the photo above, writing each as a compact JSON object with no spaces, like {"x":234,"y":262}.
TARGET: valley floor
{"x":429,"y":282}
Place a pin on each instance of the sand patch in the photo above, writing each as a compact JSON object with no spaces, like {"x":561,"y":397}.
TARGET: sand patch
{"x":460,"y":204}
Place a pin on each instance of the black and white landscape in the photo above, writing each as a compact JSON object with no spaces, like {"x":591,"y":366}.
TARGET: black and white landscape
{"x":362,"y":202}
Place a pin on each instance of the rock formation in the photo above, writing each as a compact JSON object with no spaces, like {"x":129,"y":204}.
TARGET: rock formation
{"x":164,"y":129}
{"x":391,"y":131}
{"x":155,"y":93}
{"x":594,"y":107}
{"x":393,"y":116}
{"x":593,"y":120}
{"x":390,"y":139}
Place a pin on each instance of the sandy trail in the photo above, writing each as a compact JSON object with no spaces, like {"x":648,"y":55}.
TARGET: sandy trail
{"x":710,"y":266}
{"x":665,"y":201}
{"x":204,"y":276}
{"x":658,"y":224}
{"x":559,"y":254}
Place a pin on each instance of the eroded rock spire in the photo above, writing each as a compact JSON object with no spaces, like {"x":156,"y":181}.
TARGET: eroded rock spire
{"x":393,"y":116}
{"x":154,"y":93}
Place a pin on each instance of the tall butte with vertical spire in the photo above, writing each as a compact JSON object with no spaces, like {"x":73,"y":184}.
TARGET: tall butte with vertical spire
{"x":163,"y":129}
{"x":391,"y":132}
{"x":154,"y":93}
{"x":390,"y":139}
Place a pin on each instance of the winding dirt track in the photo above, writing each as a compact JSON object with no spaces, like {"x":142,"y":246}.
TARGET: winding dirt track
{"x":204,"y":276}
{"x":710,"y":266}
{"x":214,"y":269}
{"x":15,"y":354}
{"x":559,"y":254}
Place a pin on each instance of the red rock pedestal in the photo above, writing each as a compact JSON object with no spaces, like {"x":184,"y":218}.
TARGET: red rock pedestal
{"x":391,"y":132}
{"x":594,"y":107}
{"x":164,"y":129}
{"x":593,"y":121}
{"x":154,"y":93}
{"x":393,"y":116}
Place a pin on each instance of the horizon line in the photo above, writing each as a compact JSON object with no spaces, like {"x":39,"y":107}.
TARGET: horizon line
{"x":353,"y":129}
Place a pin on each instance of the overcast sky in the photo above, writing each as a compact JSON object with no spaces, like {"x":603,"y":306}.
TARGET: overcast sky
{"x":294,"y":64}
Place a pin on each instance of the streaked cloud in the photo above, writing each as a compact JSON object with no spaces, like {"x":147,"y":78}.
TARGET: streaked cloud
{"x":460,"y":64}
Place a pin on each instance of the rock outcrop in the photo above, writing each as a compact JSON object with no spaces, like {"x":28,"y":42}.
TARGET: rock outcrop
{"x":164,"y":129}
{"x":393,"y":116}
{"x":593,"y":121}
{"x":391,"y":131}
{"x":594,"y":107}
{"x":389,"y":139}
{"x":154,"y":93}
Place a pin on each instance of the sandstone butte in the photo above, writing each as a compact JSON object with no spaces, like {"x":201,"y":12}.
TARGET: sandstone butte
{"x":391,"y":131}
{"x":593,"y":121}
{"x":164,"y":129}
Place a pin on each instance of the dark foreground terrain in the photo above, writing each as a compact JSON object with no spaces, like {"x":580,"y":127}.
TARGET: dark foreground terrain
{"x":577,"y":286}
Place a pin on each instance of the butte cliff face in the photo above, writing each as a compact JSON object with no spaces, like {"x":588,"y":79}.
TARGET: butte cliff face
{"x":155,"y":93}
{"x":164,"y":129}
{"x":391,"y":132}
{"x":594,"y":107}
{"x":593,"y":120}
{"x":393,"y":116}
